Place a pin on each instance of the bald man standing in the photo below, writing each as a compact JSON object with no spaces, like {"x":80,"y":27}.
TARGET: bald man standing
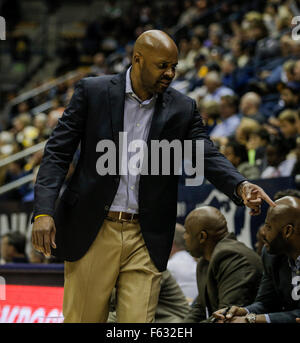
{"x":228,"y":272}
{"x":113,"y":225}
{"x":278,"y":298}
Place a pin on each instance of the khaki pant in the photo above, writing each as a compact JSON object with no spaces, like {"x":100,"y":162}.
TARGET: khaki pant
{"x":117,"y":257}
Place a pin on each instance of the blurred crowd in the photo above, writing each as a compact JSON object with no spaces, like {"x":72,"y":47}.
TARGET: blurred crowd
{"x":237,"y":60}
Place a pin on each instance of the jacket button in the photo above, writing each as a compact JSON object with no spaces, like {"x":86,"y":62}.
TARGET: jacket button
{"x":106,"y":208}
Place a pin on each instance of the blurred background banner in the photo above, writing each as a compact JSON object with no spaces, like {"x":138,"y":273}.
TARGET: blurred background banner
{"x":32,"y":304}
{"x":33,"y":293}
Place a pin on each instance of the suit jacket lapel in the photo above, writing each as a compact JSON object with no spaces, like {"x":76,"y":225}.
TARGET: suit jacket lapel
{"x":160,"y":116}
{"x":117,"y":99}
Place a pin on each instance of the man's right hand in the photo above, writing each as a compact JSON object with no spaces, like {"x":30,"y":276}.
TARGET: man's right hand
{"x":43,"y":234}
{"x":233,"y":311}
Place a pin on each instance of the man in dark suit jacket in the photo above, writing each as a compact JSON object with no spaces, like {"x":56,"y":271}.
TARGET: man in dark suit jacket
{"x":140,"y":103}
{"x":278,"y":298}
{"x":228,"y":272}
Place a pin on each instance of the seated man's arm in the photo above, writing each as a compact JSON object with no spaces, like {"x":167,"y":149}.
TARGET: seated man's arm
{"x":284,"y":316}
{"x":268,"y":300}
{"x":172,"y":305}
{"x":196,"y":314}
{"x":237,"y":280}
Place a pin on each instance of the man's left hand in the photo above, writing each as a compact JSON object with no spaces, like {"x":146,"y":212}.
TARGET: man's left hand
{"x":252,"y":196}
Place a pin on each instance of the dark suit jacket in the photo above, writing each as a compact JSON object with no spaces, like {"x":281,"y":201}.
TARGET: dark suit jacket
{"x":96,"y":112}
{"x":231,"y":277}
{"x":275,"y":291}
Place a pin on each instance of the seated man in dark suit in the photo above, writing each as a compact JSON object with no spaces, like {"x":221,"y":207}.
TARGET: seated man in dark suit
{"x":228,"y":272}
{"x":278,"y":298}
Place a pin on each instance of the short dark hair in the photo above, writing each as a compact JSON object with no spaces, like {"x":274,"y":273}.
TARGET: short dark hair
{"x":17,"y":240}
{"x":231,"y":100}
{"x":238,"y":149}
{"x":282,"y":145}
{"x":263,"y":134}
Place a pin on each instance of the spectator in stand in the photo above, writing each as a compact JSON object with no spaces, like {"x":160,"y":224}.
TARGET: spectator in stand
{"x":36,"y":257}
{"x":233,"y":76}
{"x":13,"y":248}
{"x":297,"y":71}
{"x":40,"y":123}
{"x":287,"y":123}
{"x":212,"y":89}
{"x":230,"y":118}
{"x":182,"y":265}
{"x":20,"y":122}
{"x":99,"y":67}
{"x":227,"y":272}
{"x":245,"y":129}
{"x":283,"y":73}
{"x":7,"y":143}
{"x":289,"y":99}
{"x":249,"y":107}
{"x":256,"y":146}
{"x":21,"y":108}
{"x":210,"y":111}
{"x":197,"y":74}
{"x":53,"y":117}
{"x":237,"y":154}
{"x":278,"y":164}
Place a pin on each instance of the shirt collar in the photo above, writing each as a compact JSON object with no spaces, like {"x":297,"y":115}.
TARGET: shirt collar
{"x":130,"y":92}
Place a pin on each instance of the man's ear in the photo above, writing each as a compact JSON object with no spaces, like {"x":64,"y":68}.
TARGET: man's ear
{"x":203,"y":236}
{"x":137,"y":57}
{"x":288,"y":231}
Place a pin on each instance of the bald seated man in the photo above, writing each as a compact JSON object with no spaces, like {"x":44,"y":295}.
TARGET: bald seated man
{"x":278,"y":298}
{"x":228,"y":272}
{"x":114,"y":225}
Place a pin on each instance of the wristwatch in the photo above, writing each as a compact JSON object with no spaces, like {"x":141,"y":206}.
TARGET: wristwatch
{"x":251,"y":318}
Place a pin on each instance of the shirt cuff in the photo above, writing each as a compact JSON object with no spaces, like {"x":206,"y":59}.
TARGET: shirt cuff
{"x":266,"y":315}
{"x":268,"y":318}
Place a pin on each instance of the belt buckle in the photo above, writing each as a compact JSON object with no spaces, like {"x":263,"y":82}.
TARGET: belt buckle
{"x":125,"y":220}
{"x":120,"y":219}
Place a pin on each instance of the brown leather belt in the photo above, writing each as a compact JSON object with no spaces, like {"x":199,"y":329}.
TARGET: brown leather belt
{"x":122,"y":216}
